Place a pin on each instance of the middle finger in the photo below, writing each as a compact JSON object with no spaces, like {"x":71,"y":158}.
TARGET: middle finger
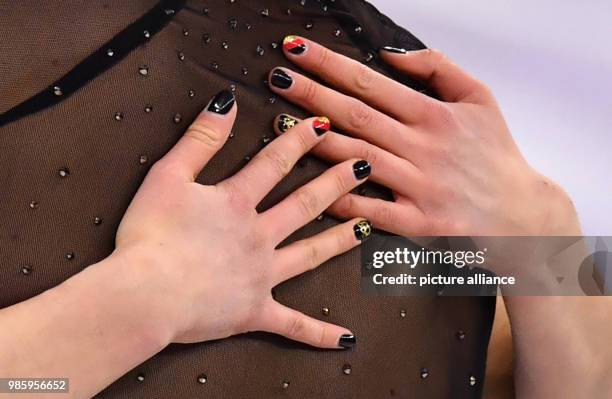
{"x":349,"y":114}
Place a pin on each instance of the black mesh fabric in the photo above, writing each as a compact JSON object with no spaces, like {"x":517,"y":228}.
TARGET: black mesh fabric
{"x":104,"y":131}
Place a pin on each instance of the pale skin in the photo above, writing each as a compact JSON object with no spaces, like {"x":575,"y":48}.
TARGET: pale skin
{"x":451,"y":163}
{"x":455,"y":169}
{"x":181,"y":273}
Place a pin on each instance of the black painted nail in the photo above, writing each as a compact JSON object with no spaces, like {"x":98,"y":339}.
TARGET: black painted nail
{"x":394,"y":50}
{"x":362,"y":170}
{"x":294,"y":45}
{"x":286,"y":122}
{"x":347,"y":341}
{"x":363,"y":230}
{"x":222,"y":103}
{"x":281,"y":79}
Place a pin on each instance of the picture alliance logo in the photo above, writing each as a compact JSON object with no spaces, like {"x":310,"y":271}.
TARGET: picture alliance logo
{"x":412,"y":258}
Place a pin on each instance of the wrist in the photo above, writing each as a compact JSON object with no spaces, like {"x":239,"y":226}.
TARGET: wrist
{"x":119,"y":290}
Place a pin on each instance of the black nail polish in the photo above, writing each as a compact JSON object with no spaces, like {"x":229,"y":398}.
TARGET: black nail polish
{"x":222,"y":103}
{"x":347,"y":341}
{"x":286,"y":122}
{"x":362,"y":170}
{"x":363,"y":230}
{"x":281,"y":79}
{"x":394,"y":50}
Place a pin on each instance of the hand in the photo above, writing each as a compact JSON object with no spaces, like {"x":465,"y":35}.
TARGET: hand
{"x":452,"y":163}
{"x":210,"y":260}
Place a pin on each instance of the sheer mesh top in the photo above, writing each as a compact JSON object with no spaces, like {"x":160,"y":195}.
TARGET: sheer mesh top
{"x":93,"y":93}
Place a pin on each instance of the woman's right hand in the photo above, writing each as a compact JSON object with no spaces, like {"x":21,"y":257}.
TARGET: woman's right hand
{"x":206,"y":260}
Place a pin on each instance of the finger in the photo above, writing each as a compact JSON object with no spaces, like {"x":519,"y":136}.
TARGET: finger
{"x":450,"y":82}
{"x":277,"y":159}
{"x":279,"y":319}
{"x":347,"y":113}
{"x":206,"y":135}
{"x":403,"y":219}
{"x":357,"y":79}
{"x":305,"y":255}
{"x":308,"y":202}
{"x":388,"y":169}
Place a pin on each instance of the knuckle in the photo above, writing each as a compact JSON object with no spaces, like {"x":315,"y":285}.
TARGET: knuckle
{"x":436,"y":59}
{"x":364,"y":78}
{"x":366,"y":152}
{"x":436,"y":56}
{"x":440,"y":112}
{"x":304,"y":139}
{"x":340,"y":184}
{"x":383,"y":215}
{"x":346,"y":205}
{"x":342,"y":242}
{"x":205,"y":134}
{"x":323,"y":59}
{"x":360,"y":115}
{"x":320,"y":337}
{"x":296,"y":325}
{"x":279,"y":163}
{"x":313,"y":256}
{"x":310,"y":92}
{"x":308,"y":203}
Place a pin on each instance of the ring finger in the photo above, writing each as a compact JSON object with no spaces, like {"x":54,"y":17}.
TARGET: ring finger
{"x":308,"y":202}
{"x":389,"y":170}
{"x":305,"y":255}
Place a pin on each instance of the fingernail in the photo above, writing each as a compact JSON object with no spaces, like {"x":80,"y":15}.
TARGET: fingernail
{"x":321,"y":125}
{"x":286,"y":122}
{"x":281,"y":79}
{"x":362,"y":170}
{"x":295,"y":45}
{"x":363,"y":230}
{"x":394,"y":50}
{"x":347,"y":341}
{"x":222,"y":103}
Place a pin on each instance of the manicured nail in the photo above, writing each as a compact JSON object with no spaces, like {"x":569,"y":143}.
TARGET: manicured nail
{"x":295,"y":45}
{"x":286,"y":122}
{"x":362,"y":170}
{"x":347,"y":341}
{"x":222,"y":103}
{"x":363,"y":230}
{"x":321,"y":125}
{"x":281,"y":79}
{"x":394,"y":50}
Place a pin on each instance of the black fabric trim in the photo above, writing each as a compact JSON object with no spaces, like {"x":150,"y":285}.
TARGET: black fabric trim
{"x":122,"y":44}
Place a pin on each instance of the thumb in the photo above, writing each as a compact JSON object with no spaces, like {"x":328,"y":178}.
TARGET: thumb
{"x":449,"y":81}
{"x":204,"y":138}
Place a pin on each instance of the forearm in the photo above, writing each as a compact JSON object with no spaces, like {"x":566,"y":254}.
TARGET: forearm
{"x":561,"y":346}
{"x":92,"y":329}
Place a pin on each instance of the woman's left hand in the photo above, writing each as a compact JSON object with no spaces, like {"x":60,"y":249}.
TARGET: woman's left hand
{"x":452,"y":163}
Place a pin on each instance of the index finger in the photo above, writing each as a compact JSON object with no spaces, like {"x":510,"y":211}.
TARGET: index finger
{"x":357,"y":79}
